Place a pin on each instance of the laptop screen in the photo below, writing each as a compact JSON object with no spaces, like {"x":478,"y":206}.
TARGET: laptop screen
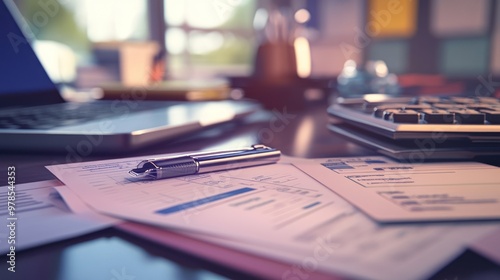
{"x":23,"y":80}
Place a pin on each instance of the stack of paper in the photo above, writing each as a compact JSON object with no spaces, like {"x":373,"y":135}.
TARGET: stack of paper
{"x":276,"y":211}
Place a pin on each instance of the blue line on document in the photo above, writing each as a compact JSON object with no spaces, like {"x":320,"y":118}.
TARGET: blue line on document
{"x":311,"y":205}
{"x":195,"y":203}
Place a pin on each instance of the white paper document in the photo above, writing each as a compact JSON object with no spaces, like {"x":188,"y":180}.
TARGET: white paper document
{"x":396,"y":192}
{"x":41,"y":217}
{"x":276,"y":211}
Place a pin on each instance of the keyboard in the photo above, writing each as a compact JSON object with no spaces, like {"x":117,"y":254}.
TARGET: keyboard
{"x":475,"y":119}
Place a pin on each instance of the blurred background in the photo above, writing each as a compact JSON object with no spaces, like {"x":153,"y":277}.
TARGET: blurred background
{"x":455,"y":39}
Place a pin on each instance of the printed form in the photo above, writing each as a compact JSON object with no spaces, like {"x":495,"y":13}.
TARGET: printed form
{"x":275,"y":211}
{"x":400,"y":192}
{"x":43,"y":217}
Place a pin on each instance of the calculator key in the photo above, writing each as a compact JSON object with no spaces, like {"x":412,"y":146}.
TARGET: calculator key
{"x":417,"y":107}
{"x":492,"y":116}
{"x":427,"y":100}
{"x":451,"y":106}
{"x":490,"y":100}
{"x":467,"y":116}
{"x":438,"y":116}
{"x":463,"y":100}
{"x":378,"y":111}
{"x":401,"y":116}
{"x":480,"y":106}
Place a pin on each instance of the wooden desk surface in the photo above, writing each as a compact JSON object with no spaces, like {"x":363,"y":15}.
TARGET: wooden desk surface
{"x":112,"y":254}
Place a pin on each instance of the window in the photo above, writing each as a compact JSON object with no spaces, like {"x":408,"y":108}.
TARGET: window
{"x":80,"y":23}
{"x":202,"y":37}
{"x":206,"y":37}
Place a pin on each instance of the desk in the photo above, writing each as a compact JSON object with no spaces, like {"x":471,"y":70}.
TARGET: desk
{"x":113,"y":254}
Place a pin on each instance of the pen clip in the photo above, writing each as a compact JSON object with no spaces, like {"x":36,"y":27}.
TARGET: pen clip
{"x":146,"y":169}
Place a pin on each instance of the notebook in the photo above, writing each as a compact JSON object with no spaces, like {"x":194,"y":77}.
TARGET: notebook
{"x":34,"y":116}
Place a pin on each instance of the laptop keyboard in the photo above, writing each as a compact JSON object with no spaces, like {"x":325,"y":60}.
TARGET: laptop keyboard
{"x":57,"y":115}
{"x":458,"y":116}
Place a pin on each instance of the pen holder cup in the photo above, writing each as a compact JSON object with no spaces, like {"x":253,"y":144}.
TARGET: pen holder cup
{"x":275,"y":61}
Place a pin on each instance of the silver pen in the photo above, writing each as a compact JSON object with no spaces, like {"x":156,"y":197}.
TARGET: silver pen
{"x":203,"y":162}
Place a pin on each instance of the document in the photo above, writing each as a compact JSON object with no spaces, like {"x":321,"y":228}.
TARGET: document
{"x":40,"y":216}
{"x":277,"y":198}
{"x":389,"y":191}
{"x":275,"y":211}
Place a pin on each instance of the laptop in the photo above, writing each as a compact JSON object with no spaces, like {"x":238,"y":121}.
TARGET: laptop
{"x":34,"y":116}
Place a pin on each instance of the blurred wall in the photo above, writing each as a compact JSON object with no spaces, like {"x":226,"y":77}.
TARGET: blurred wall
{"x":457,"y":38}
